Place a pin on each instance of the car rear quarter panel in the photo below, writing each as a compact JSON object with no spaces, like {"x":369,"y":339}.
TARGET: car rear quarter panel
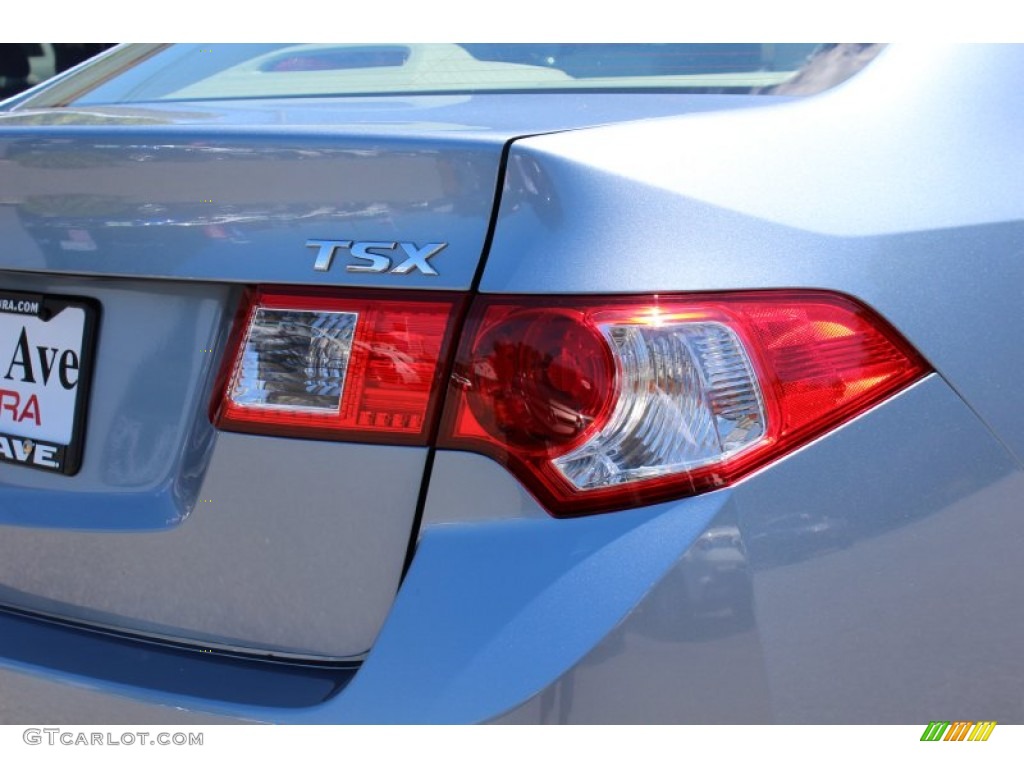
{"x":900,"y":188}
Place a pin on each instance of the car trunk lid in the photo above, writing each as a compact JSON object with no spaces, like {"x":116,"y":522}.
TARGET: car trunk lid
{"x":161,"y":217}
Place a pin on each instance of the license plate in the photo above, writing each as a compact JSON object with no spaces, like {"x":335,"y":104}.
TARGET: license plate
{"x":46,"y":351}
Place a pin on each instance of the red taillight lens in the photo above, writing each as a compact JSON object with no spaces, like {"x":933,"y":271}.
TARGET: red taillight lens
{"x":349,"y":367}
{"x":538,"y":378}
{"x":599,"y":404}
{"x":594,"y":403}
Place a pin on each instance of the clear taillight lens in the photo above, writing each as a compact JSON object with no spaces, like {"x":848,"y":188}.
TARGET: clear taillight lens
{"x":348,"y":366}
{"x":607,"y":403}
{"x":294,"y":360}
{"x":687,"y":396}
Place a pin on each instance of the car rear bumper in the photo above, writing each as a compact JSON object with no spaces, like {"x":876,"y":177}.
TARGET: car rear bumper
{"x":508,"y":615}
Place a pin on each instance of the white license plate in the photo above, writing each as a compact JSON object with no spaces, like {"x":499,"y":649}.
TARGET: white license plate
{"x":46,"y":345}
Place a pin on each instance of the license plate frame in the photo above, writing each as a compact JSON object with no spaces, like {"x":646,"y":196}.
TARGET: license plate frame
{"x":29,"y":370}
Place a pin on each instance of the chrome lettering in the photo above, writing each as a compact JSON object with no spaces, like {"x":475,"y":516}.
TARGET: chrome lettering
{"x":370,"y":256}
{"x":417,"y":258}
{"x":325,"y":254}
{"x":378,"y":262}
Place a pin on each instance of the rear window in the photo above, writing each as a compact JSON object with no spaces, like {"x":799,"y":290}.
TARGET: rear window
{"x":190,"y":72}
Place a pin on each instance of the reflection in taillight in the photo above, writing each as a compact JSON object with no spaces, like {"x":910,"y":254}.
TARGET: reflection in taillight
{"x":607,"y":403}
{"x":345,"y":366}
{"x":594,"y":403}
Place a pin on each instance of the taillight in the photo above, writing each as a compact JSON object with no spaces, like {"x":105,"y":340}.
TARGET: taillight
{"x":600,"y":404}
{"x":594,"y":403}
{"x":350,"y":366}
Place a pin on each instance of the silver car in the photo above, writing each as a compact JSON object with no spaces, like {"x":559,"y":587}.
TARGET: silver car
{"x":513,"y":383}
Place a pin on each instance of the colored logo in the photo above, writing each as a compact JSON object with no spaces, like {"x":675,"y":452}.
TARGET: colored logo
{"x":961,"y":730}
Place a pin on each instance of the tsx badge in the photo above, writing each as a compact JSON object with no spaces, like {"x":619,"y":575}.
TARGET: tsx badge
{"x":396,"y":258}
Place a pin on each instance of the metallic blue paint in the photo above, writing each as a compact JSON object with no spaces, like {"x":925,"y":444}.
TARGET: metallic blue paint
{"x":564,"y":614}
{"x":860,"y":579}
